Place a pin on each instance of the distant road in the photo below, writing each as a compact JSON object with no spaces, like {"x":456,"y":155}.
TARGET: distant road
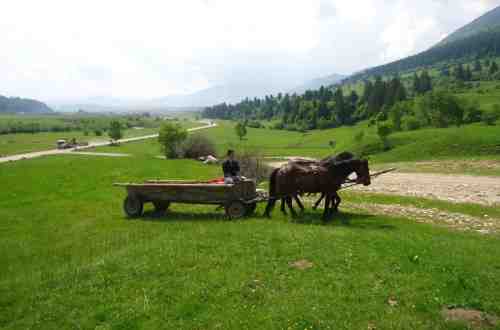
{"x":13,"y":158}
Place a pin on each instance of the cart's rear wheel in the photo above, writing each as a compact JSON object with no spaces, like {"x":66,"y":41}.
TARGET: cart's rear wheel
{"x":236,"y":210}
{"x":161,"y":206}
{"x":133,"y":206}
{"x":250,"y":209}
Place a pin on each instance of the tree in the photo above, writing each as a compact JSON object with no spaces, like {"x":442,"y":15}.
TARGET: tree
{"x":171,"y":137}
{"x":493,"y":67}
{"x":241,"y":130}
{"x":425,"y":82}
{"x":383,"y":131}
{"x":467,"y":74}
{"x":115,"y":130}
{"x":459,"y":72}
{"x":478,"y":66}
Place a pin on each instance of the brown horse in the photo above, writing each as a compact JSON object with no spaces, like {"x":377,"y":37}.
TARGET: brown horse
{"x":343,"y":156}
{"x":295,"y":179}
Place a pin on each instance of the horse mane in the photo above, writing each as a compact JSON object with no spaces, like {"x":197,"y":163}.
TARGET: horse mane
{"x":343,"y":156}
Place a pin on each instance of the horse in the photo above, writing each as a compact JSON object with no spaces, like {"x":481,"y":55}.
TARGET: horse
{"x":343,"y":156}
{"x":294,"y":179}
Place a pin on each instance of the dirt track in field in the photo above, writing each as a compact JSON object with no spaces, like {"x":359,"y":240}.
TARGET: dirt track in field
{"x":453,"y":188}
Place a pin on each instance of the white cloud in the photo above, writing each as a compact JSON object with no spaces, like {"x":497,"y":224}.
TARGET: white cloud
{"x":63,"y":49}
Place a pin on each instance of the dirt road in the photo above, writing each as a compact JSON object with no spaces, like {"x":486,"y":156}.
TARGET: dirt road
{"x":453,"y":188}
{"x":36,"y":154}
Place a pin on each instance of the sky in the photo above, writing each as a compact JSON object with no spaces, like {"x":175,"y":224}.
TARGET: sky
{"x":142,"y":49}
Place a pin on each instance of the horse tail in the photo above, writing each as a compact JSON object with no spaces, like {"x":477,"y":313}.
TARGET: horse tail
{"x":272,"y":182}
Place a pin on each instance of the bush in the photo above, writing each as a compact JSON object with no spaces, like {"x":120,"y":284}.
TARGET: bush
{"x":98,"y":132}
{"x":410,"y":123}
{"x":171,"y":137}
{"x":254,"y":124}
{"x":252,"y":166}
{"x":383,"y":131}
{"x":279,"y":125}
{"x":490,"y":117}
{"x":197,"y":146}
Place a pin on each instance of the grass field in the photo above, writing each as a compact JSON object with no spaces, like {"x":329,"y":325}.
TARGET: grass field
{"x":70,"y":259}
{"x":11,"y":144}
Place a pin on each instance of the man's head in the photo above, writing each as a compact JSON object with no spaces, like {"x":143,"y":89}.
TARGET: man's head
{"x":230,"y":154}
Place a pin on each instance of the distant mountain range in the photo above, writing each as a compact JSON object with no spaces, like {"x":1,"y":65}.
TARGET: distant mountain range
{"x":229,"y":93}
{"x":489,"y":21}
{"x":19,"y":105}
{"x":317,"y":83}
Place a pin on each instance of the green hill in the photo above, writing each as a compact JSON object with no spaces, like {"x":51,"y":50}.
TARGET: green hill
{"x":489,"y":21}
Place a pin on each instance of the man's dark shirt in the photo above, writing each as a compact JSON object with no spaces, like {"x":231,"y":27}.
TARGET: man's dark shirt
{"x":230,"y":168}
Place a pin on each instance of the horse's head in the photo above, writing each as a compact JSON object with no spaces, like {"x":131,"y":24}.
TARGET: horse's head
{"x":362,"y":172}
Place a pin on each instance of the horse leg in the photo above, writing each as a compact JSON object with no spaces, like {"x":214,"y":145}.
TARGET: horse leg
{"x":290,"y":206}
{"x":318,"y":201}
{"x":326,"y":212}
{"x":336,"y":203}
{"x":270,"y":205}
{"x":283,"y":209}
{"x":297,"y":199}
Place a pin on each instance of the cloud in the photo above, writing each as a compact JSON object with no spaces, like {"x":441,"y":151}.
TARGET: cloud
{"x":60,"y":49}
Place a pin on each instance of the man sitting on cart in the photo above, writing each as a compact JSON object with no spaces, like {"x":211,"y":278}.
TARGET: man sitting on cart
{"x":231,"y":169}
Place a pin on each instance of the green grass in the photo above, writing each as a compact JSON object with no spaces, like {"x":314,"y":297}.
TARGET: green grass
{"x":70,"y":259}
{"x":473,"y":143}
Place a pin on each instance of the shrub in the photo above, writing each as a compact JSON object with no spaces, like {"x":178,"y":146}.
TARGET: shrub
{"x":171,"y":137}
{"x":255,"y":124}
{"x":279,"y":125}
{"x":197,"y":146}
{"x":491,"y":116}
{"x":115,"y":130}
{"x":98,"y":132}
{"x":252,"y":166}
{"x":410,"y":123}
{"x":383,"y":131}
{"x":241,"y":130}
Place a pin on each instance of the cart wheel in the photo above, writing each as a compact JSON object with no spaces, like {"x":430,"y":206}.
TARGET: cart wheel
{"x":161,"y":206}
{"x":133,"y":206}
{"x":235,"y":210}
{"x":250,"y":209}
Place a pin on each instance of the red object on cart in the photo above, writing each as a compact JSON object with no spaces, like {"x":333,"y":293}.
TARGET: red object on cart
{"x":217,"y":181}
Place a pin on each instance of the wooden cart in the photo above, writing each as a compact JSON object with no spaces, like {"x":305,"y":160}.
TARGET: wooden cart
{"x":238,"y":199}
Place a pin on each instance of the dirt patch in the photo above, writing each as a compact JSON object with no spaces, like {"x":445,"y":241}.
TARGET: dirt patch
{"x":458,"y":221}
{"x":301,"y":264}
{"x":473,"y":318}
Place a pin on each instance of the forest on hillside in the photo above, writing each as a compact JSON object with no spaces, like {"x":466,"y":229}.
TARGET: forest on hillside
{"x":390,"y":95}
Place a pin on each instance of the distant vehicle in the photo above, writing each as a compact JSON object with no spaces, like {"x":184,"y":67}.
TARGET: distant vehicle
{"x":64,"y":144}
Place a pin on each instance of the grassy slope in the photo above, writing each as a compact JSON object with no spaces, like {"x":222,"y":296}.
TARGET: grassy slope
{"x":74,"y":261}
{"x":451,"y":143}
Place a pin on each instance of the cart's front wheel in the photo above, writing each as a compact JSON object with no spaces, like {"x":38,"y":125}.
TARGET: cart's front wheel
{"x":250,"y":209}
{"x":133,"y":206}
{"x":161,"y":206}
{"x":235,"y":210}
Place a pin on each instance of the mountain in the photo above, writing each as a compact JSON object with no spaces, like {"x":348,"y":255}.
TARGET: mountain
{"x":480,"y":38}
{"x":228,"y":93}
{"x":489,"y":21}
{"x":19,"y":105}
{"x":316,"y":84}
